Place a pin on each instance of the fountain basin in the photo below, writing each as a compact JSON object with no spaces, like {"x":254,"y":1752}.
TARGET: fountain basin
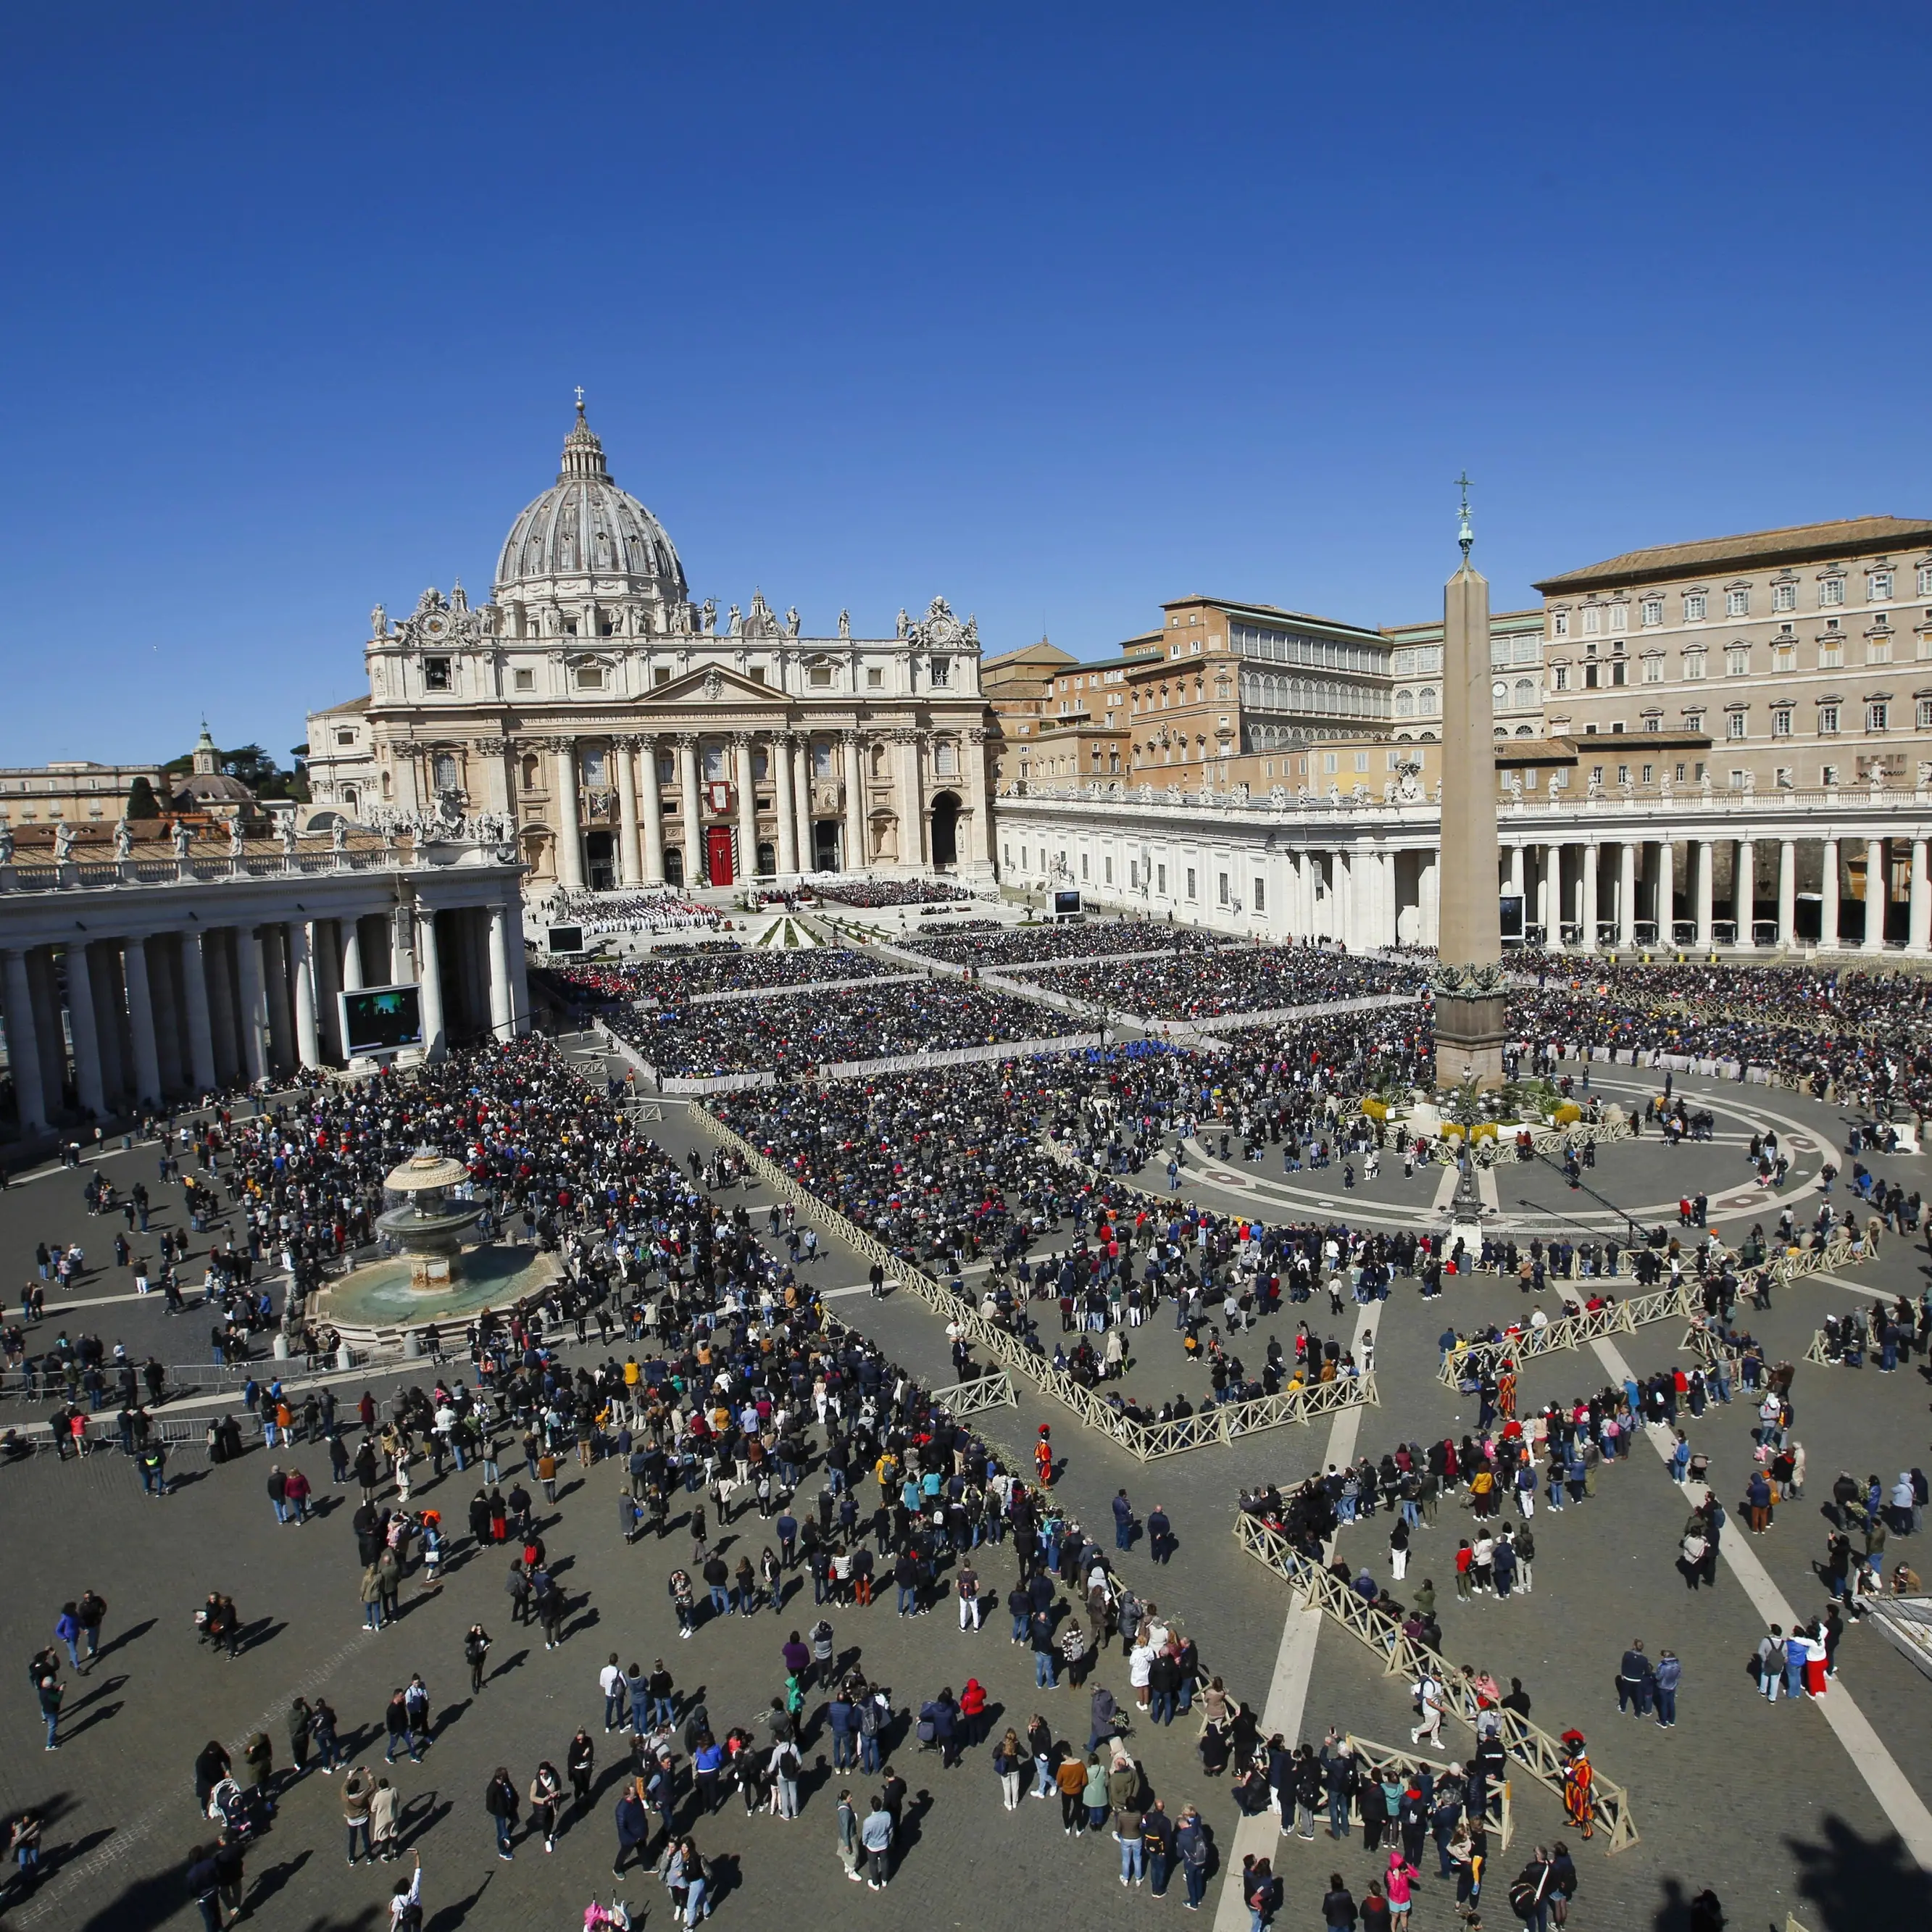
{"x":373,"y":1305}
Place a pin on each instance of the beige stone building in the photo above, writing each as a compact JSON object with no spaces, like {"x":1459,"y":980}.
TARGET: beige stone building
{"x":75,"y":790}
{"x":1804,"y":654}
{"x":1515,"y":668}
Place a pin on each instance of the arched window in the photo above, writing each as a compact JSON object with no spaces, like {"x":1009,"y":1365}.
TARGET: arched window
{"x":529,"y":773}
{"x":1525,"y":692}
{"x":713,"y":757}
{"x":442,"y":771}
{"x":1425,"y":701}
{"x":945,"y":757}
{"x":593,"y":762}
{"x":1404,"y":704}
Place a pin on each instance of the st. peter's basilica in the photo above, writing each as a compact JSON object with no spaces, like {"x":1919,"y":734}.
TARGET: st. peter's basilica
{"x":625,"y":735}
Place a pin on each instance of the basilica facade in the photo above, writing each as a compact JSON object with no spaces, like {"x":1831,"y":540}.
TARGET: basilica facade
{"x":624,"y":734}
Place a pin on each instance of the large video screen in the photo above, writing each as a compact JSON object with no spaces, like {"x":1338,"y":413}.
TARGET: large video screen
{"x":1065,"y":904}
{"x":381,"y":1019}
{"x":566,"y":939}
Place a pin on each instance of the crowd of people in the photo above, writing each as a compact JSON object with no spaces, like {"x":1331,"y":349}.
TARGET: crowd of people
{"x":648,"y":909}
{"x":676,"y":977}
{"x":1209,"y":983}
{"x":867,"y":893}
{"x":996,"y":944}
{"x":793,"y":1034}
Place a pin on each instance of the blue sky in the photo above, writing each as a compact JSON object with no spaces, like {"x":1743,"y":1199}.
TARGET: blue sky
{"x":1056,"y":311}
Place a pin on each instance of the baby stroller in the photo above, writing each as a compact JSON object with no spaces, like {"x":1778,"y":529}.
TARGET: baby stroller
{"x":615,"y":1917}
{"x":228,"y":1806}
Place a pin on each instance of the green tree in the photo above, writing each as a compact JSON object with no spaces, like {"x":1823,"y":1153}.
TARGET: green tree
{"x":142,"y":802}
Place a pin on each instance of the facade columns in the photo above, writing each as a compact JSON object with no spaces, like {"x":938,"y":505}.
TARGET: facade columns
{"x":569,"y":835}
{"x":88,"y":1087}
{"x":254,"y":1015}
{"x":1828,"y":897}
{"x":1593,"y":854}
{"x":910,"y":800}
{"x":200,"y":1029}
{"x":745,"y":770}
{"x":650,"y":806}
{"x":980,"y":844}
{"x":1918,"y":926}
{"x":23,"y":1052}
{"x":689,"y":804}
{"x":301,"y":971}
{"x":856,"y":853}
{"x":503,"y":980}
{"x":353,"y":981}
{"x":429,"y":981}
{"x":780,"y":758}
{"x":1744,"y":889}
{"x":1516,"y":872}
{"x":1878,"y":894}
{"x":1667,"y":892}
{"x":801,"y":793}
{"x":1626,"y":895}
{"x":1547,"y":906}
{"x":1706,"y":867}
{"x":140,"y":1022}
{"x":1429,"y":889}
{"x":1787,"y":892}
{"x":629,"y":860}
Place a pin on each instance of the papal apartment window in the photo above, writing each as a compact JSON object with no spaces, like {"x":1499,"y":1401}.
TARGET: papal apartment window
{"x":1878,"y":715}
{"x":1649,"y":774}
{"x":1107,"y":871}
{"x":1784,"y":597}
{"x":1623,"y":775}
{"x":1559,"y":624}
{"x":1652,"y":722}
{"x":1619,"y":617}
{"x":1694,"y":721}
{"x":1693,"y":606}
{"x":527,"y":680}
{"x":1781,"y":720}
{"x":1878,"y":650}
{"x":1784,"y":657}
{"x":1596,"y":774}
{"x":1258,"y":902}
{"x":1878,"y":585}
{"x":1832,"y":590}
{"x":1652,"y":610}
{"x":1737,"y":662}
{"x":1783,"y":778}
{"x":1593,"y":620}
{"x":442,"y":772}
{"x":1681,"y":770}
{"x":1828,"y":719}
{"x":1190,"y":882}
{"x":1737,"y":603}
{"x":1925,"y":580}
{"x":1653,"y":670}
{"x":1160,"y":880}
{"x":1693,"y":664}
{"x":1562,"y":677}
{"x":436,"y":673}
{"x":1734,"y":725}
{"x":1831,"y":655}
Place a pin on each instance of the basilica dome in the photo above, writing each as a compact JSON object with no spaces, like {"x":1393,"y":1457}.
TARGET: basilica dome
{"x":584,"y":529}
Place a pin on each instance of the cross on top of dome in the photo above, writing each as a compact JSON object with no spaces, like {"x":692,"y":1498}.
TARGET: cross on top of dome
{"x":582,"y":453}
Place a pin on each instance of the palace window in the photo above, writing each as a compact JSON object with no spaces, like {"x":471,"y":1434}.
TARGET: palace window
{"x":1653,"y":669}
{"x":875,"y":678}
{"x":1878,"y":714}
{"x":1737,"y":662}
{"x":1619,"y":617}
{"x":1734,"y":725}
{"x":1737,"y":603}
{"x":1832,"y":590}
{"x":1878,"y":585}
{"x":1693,"y":606}
{"x":442,"y":772}
{"x":819,"y":676}
{"x":1828,"y":719}
{"x":1781,"y":720}
{"x":1925,"y":714}
{"x":1784,"y":597}
{"x":1651,"y":612}
{"x":1694,"y":665}
{"x":594,"y":765}
{"x":1593,"y":620}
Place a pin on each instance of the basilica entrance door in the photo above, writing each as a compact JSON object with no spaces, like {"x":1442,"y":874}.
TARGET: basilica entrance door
{"x":717,"y":854}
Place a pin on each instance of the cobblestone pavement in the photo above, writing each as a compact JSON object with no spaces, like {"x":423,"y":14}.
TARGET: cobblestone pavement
{"x":1762,"y":1802}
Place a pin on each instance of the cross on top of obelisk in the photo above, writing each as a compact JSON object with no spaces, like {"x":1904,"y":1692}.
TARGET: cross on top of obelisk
{"x":1465,"y":535}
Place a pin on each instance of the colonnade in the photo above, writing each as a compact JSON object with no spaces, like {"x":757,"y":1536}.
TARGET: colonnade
{"x":1703,"y":892}
{"x":124,"y":999}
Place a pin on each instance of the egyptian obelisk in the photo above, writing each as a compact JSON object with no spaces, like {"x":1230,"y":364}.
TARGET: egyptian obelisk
{"x":1469,"y":995}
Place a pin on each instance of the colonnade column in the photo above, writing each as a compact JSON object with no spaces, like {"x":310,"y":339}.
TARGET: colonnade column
{"x":23,"y":1050}
{"x":1430,"y":891}
{"x":910,"y":800}
{"x":301,"y":971}
{"x":429,"y":980}
{"x":1592,"y":863}
{"x":687,"y":804}
{"x":745,"y":770}
{"x":87,"y":1083}
{"x":1666,"y":891}
{"x":781,"y":756}
{"x":200,"y":1030}
{"x":569,"y":836}
{"x":1787,"y":892}
{"x":1627,"y":894}
{"x":650,"y":807}
{"x":1706,"y":865}
{"x":141,"y":1022}
{"x":1744,"y":889}
{"x":800,"y":757}
{"x":629,"y":860}
{"x":1878,"y":893}
{"x":502,"y":983}
{"x":353,"y":980}
{"x":248,"y":962}
{"x":855,"y":854}
{"x":1516,"y":871}
{"x":1919,"y":925}
{"x":1828,"y":896}
{"x":1547,"y":909}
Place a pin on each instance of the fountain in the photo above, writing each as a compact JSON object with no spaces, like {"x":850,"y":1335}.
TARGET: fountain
{"x":435,"y":1277}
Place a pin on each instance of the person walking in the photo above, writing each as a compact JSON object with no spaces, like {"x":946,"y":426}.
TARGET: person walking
{"x":634,"y":1826}
{"x":50,"y":1691}
{"x":500,"y":1801}
{"x":475,"y":1649}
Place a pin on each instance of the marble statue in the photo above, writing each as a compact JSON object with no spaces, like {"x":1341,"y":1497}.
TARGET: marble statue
{"x":379,"y":622}
{"x":791,"y":622}
{"x":288,"y":838}
{"x":338,"y":836}
{"x":904,"y":621}
{"x":63,"y":844}
{"x":179,"y":837}
{"x":124,"y":840}
{"x":845,"y":623}
{"x":734,"y":623}
{"x":6,"y":844}
{"x":235,"y":839}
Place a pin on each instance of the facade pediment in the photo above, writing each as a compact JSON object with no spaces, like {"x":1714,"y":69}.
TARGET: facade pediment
{"x":714,"y":684}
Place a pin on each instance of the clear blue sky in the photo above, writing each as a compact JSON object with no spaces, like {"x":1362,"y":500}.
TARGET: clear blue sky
{"x":1057,"y":311}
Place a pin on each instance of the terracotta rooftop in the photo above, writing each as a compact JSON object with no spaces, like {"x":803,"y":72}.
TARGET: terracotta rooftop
{"x":1849,"y":536}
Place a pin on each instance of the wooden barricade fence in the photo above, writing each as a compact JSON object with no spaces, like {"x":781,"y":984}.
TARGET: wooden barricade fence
{"x":1146,"y":1441}
{"x":1540,"y":1754}
{"x":1568,"y":1331}
{"x":1379,"y":1758}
